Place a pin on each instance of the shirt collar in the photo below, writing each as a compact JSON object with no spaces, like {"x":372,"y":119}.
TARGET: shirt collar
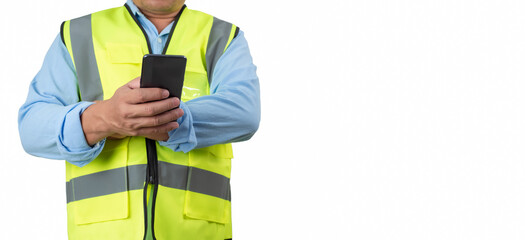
{"x":134,"y":9}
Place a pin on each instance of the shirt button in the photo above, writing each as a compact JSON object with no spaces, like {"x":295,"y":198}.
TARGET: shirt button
{"x":159,"y":40}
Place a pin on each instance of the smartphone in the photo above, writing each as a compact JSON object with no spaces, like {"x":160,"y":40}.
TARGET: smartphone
{"x":163,"y":71}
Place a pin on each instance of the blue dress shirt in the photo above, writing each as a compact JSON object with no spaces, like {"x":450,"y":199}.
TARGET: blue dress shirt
{"x":49,"y":120}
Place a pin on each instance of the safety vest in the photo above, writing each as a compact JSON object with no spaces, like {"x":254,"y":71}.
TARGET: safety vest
{"x":106,"y":199}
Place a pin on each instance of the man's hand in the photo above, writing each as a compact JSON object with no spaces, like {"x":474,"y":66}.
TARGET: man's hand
{"x":132,"y":111}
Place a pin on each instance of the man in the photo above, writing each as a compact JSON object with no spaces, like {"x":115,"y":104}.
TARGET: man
{"x":85,"y":106}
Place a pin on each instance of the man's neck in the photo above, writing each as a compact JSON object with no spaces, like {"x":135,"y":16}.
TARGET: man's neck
{"x":160,"y":19}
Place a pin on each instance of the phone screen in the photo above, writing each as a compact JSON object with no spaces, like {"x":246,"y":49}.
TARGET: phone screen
{"x":164,"y":71}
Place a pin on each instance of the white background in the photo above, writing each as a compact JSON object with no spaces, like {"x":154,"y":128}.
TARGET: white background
{"x":381,"y":119}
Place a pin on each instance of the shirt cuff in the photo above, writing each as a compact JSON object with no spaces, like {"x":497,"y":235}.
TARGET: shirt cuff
{"x":182,"y":139}
{"x":71,"y":140}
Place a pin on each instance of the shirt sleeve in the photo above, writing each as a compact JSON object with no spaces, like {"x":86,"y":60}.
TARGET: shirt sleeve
{"x":49,"y":121}
{"x":232,"y":111}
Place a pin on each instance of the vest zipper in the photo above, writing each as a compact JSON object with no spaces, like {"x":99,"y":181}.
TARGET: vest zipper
{"x":151,"y":178}
{"x":152,"y":166}
{"x":151,"y":148}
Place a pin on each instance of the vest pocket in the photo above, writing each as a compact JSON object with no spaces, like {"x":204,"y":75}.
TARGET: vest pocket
{"x":199,"y":204}
{"x":208,"y":187}
{"x":100,"y":192}
{"x":124,"y":53}
{"x":195,"y":83}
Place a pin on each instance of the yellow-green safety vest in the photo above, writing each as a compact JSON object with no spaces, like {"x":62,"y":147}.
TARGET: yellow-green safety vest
{"x":106,"y":199}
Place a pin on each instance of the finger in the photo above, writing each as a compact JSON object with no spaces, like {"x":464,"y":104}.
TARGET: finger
{"x":135,"y":83}
{"x":116,"y":136}
{"x":143,"y":95}
{"x":159,"y":137}
{"x":150,"y":109}
{"x":165,"y":128}
{"x":178,"y":102}
{"x":158,"y":120}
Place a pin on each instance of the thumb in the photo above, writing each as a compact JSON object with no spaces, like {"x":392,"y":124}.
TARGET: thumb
{"x":135,"y":83}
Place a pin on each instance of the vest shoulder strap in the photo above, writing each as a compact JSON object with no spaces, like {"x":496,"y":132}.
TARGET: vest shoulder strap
{"x":77,"y":37}
{"x":221,"y":35}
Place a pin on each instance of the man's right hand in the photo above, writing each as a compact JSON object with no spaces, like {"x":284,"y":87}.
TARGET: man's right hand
{"x":132,"y":111}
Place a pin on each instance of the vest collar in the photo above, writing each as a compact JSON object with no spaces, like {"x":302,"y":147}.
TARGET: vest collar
{"x":134,"y":11}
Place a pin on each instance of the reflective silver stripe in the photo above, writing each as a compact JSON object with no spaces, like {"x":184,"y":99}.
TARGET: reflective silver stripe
{"x":173,"y":175}
{"x":136,"y":176}
{"x":132,"y":178}
{"x":84,"y":57}
{"x":201,"y":181}
{"x":69,"y":192}
{"x":219,"y":35}
{"x":209,"y":183}
{"x":106,"y":182}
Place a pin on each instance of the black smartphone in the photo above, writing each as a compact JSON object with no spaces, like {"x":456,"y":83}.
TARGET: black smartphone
{"x":163,"y":71}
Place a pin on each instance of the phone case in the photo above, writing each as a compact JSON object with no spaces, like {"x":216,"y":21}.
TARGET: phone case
{"x":163,"y":71}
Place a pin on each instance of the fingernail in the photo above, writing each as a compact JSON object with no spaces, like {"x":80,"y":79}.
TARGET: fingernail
{"x":165,"y":93}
